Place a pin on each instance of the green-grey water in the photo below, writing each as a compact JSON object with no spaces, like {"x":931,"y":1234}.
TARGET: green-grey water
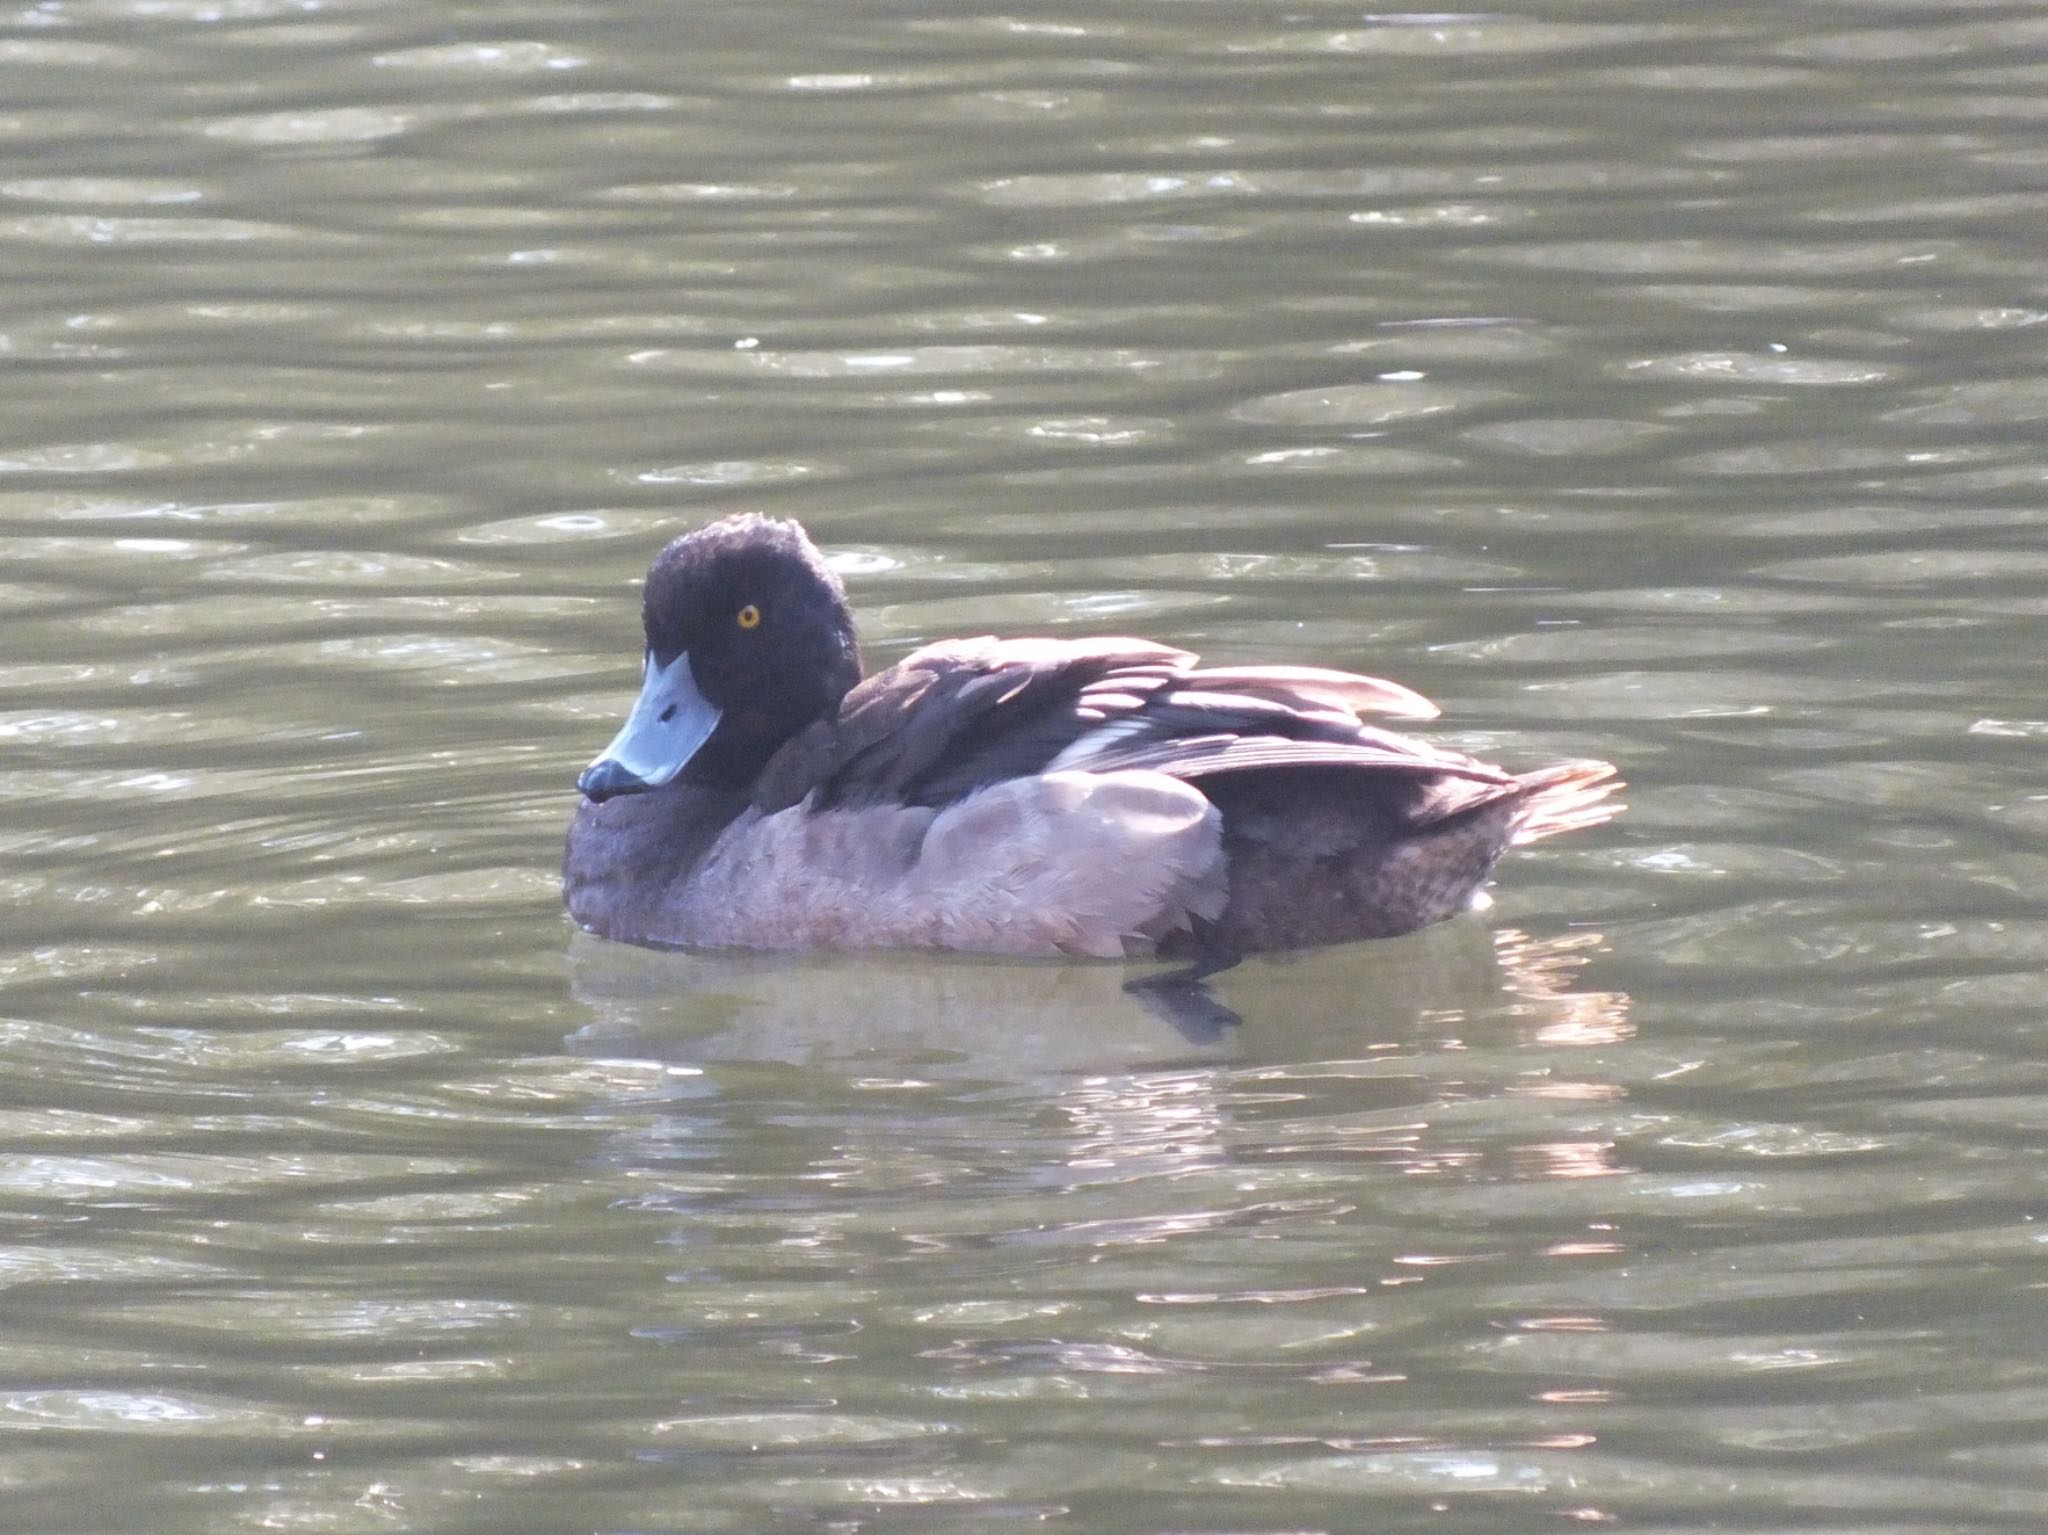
{"x":1654,"y":382}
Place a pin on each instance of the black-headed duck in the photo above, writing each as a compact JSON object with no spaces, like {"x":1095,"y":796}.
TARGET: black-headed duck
{"x":1032,"y":796}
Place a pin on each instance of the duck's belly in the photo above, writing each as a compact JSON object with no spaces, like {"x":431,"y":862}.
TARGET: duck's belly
{"x":1065,"y":863}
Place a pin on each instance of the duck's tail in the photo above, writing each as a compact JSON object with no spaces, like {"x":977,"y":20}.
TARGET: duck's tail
{"x":1567,"y":797}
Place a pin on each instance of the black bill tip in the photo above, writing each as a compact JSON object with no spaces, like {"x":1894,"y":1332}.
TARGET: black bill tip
{"x":607,"y":778}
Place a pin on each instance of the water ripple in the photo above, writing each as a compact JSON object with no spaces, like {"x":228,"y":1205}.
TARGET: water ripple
{"x":1655,"y":391}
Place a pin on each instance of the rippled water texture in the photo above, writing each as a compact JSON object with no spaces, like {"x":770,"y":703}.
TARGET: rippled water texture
{"x":1648,"y":381}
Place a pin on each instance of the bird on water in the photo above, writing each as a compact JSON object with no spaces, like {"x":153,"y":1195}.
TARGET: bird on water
{"x":1088,"y":797}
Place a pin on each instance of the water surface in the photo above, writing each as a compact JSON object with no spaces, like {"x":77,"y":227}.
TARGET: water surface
{"x":1641,"y":381}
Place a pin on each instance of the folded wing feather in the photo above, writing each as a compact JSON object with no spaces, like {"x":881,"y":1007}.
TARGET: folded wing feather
{"x":962,"y":714}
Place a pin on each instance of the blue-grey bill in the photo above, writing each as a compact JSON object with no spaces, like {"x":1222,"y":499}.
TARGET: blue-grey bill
{"x":669,"y":722}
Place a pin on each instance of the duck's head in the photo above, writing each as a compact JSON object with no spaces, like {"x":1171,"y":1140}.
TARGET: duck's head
{"x":749,"y":639}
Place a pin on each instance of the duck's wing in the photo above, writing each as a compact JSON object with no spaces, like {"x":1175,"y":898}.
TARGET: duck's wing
{"x":962,"y":713}
{"x":1319,"y":687}
{"x":1241,"y":719}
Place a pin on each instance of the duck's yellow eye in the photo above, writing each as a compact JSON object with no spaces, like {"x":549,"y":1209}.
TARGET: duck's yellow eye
{"x":749,"y":617}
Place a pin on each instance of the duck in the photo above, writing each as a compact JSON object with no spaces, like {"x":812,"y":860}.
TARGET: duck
{"x":1080,"y":797}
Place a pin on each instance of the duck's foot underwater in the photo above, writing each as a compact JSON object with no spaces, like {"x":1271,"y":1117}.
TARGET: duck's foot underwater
{"x":1181,"y":998}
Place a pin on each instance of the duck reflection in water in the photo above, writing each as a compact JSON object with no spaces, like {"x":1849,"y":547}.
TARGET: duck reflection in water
{"x":1003,"y":1019}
